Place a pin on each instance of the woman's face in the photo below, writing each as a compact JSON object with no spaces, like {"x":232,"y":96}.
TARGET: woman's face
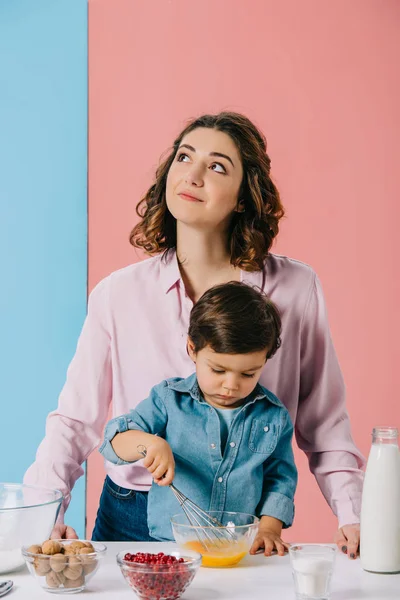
{"x":204,"y":180}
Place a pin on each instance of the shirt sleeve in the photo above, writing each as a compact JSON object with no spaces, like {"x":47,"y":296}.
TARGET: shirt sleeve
{"x":280,"y":479}
{"x":74,"y":429}
{"x":149,"y":416}
{"x":322,"y":423}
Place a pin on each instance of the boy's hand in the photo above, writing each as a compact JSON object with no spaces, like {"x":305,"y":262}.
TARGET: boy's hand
{"x":160,"y":461}
{"x":268,"y":537}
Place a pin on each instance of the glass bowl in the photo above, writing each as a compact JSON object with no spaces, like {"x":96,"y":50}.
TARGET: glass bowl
{"x":64,"y":566}
{"x":219,"y":546}
{"x":27,"y":514}
{"x":160,"y":581}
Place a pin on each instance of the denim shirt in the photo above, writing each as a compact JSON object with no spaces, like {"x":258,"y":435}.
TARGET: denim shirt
{"x":255,"y":474}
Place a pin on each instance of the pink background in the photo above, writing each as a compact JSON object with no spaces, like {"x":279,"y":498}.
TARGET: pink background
{"x":320,"y":79}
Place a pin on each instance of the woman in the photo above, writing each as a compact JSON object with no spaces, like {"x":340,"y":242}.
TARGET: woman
{"x":210,"y":217}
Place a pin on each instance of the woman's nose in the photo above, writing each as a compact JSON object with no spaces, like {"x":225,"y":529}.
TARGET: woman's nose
{"x":195,"y":176}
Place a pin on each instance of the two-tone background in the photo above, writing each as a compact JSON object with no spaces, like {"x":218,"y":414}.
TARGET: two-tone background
{"x":92,"y":93}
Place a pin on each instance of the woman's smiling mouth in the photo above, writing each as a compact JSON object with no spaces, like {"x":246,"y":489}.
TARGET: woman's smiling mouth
{"x":189,"y":197}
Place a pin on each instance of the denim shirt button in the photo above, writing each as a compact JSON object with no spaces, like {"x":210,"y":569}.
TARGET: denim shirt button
{"x":266,"y":428}
{"x":220,"y":479}
{"x":232,"y":444}
{"x":213,"y":446}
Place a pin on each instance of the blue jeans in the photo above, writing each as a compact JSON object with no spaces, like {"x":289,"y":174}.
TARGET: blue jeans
{"x":122,"y":515}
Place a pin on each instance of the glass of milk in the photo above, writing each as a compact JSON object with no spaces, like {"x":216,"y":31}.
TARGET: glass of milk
{"x":312,"y":568}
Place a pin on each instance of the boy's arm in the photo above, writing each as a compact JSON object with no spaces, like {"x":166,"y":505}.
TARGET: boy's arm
{"x":142,"y":425}
{"x":125,"y":444}
{"x":280,"y":479}
{"x":276,"y":507}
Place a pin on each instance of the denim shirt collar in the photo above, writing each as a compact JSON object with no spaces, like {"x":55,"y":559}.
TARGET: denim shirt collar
{"x":190,"y":385}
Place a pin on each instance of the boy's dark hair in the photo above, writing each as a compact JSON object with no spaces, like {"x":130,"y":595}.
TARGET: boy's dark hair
{"x":234,"y":318}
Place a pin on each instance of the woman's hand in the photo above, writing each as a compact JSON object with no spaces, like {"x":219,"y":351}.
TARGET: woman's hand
{"x":347,"y":539}
{"x":63,"y":532}
{"x":269,"y":537}
{"x":160,"y":461}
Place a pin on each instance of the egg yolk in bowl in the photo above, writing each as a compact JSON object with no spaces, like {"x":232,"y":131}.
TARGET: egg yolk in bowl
{"x":217,"y":555}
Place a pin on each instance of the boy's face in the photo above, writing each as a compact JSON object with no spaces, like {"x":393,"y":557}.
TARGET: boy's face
{"x":227,"y":379}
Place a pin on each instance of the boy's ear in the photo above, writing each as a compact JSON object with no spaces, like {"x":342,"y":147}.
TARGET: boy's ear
{"x":191,"y":350}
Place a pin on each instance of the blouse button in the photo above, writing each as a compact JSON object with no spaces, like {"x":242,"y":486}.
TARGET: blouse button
{"x":266,"y":428}
{"x":213,"y":446}
{"x":232,"y":444}
{"x":220,"y":479}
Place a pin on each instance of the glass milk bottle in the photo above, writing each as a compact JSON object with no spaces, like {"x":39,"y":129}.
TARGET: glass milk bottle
{"x":380,"y":510}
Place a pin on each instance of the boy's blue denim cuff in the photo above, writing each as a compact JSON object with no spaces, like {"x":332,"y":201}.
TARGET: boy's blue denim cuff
{"x":117,"y":425}
{"x":109,"y":454}
{"x":278,"y":506}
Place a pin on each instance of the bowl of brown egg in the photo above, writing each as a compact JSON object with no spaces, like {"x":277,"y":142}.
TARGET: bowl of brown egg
{"x":63,"y":566}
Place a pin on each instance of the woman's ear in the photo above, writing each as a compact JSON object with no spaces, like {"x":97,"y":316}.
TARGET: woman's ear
{"x":240,"y":207}
{"x":190,"y":349}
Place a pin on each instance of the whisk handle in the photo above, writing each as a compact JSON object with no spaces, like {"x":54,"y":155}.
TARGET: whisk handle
{"x":143,"y":451}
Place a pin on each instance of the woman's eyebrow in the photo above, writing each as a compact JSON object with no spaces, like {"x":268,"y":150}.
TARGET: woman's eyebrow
{"x":211,"y":153}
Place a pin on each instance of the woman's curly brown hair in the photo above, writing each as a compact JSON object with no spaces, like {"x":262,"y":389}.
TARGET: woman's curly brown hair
{"x":252,"y":231}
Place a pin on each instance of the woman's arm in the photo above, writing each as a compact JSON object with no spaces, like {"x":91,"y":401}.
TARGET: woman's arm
{"x":74,"y":429}
{"x":322,"y":423}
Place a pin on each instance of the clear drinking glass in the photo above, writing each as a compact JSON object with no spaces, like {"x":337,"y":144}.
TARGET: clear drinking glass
{"x":312,"y":568}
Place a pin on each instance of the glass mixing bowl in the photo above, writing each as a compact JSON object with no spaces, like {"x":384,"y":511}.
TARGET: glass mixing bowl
{"x":70,"y":566}
{"x":27,"y":514}
{"x":160,"y":581}
{"x":222,"y":546}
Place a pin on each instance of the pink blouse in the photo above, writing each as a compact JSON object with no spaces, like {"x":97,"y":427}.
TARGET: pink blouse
{"x":134,"y":336}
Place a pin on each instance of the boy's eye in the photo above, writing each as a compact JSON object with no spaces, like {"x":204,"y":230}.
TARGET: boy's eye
{"x":216,"y":371}
{"x":248,"y":375}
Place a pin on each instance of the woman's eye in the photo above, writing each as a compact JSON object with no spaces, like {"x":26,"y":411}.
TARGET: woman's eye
{"x":181,"y":156}
{"x":248,"y":375}
{"x":215,"y":371}
{"x":220,"y":168}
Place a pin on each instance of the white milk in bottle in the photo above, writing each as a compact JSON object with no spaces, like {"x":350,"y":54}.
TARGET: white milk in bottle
{"x":380,"y":510}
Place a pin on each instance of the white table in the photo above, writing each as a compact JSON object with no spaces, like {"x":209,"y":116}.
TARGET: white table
{"x":255,"y":578}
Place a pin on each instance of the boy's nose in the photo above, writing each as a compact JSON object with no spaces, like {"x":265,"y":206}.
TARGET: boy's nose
{"x":230,"y":386}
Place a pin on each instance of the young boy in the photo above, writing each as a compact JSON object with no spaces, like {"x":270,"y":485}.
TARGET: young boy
{"x":223,"y":439}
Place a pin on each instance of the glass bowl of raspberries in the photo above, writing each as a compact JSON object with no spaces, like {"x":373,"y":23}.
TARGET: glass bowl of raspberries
{"x":160,"y":576}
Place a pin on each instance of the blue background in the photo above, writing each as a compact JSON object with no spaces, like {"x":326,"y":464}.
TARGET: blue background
{"x":43,"y":219}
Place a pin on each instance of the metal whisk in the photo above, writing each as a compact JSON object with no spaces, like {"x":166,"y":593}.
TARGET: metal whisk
{"x":210,"y":532}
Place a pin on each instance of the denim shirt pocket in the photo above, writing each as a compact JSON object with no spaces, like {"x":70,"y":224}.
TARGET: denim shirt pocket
{"x":263,"y":436}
